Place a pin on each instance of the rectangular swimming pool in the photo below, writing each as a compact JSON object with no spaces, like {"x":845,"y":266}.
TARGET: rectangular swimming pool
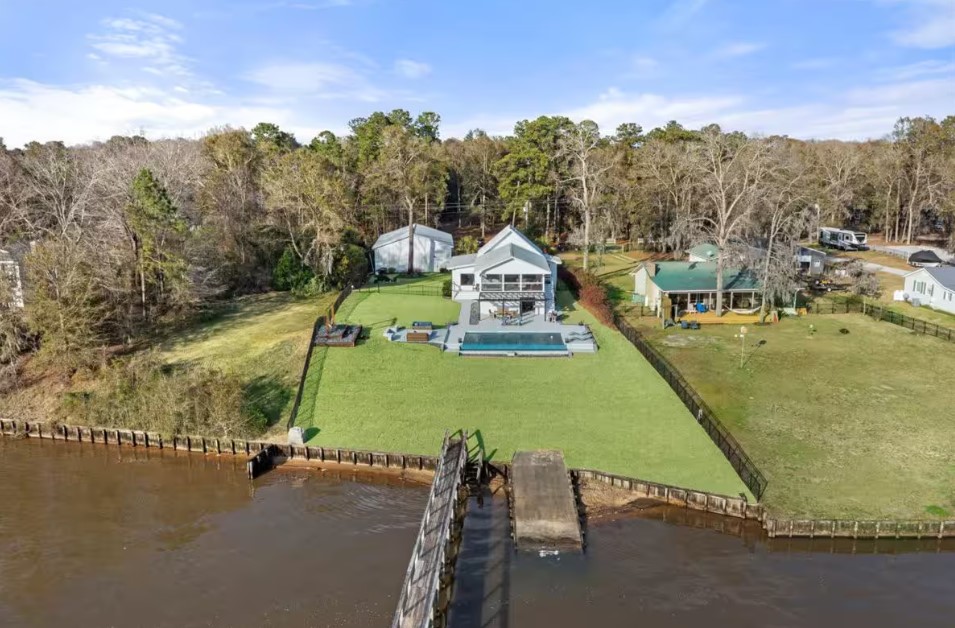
{"x":512,"y":342}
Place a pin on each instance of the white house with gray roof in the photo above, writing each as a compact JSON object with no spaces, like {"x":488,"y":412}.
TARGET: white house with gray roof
{"x":432,"y":249}
{"x":10,"y":267}
{"x":508,"y":274}
{"x":934,"y":287}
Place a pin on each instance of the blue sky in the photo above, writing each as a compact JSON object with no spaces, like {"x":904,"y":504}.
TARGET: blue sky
{"x":82,"y":71}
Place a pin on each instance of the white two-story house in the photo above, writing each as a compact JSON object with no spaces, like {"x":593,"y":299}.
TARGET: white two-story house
{"x":509,"y":273}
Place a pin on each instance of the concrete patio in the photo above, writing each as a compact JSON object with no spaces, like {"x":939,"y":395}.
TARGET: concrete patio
{"x":577,"y":338}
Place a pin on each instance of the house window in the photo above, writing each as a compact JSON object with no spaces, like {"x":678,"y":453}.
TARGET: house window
{"x":512,"y":283}
{"x":492,"y":283}
{"x":532,"y":283}
{"x":467,"y":279}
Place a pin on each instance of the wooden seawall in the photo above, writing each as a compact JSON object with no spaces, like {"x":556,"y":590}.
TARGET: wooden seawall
{"x":423,"y":598}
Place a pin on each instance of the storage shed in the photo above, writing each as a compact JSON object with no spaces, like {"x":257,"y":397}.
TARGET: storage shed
{"x":432,"y":249}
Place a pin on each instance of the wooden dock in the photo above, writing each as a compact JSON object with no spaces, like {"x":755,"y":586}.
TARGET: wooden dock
{"x":544,"y":508}
{"x":422,"y":603}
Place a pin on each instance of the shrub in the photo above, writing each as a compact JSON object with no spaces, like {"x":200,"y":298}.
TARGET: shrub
{"x":351,"y":266}
{"x":446,"y":288}
{"x":590,"y":292}
{"x":290,"y":273}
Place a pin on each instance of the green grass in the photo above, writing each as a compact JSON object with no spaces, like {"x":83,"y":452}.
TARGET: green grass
{"x":427,"y":282}
{"x":856,"y":425}
{"x":609,"y":411}
{"x":889,"y":283}
{"x":262,"y":338}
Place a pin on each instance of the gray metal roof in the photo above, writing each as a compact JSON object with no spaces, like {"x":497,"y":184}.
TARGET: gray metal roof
{"x":402,"y":234}
{"x":945,"y":275}
{"x":5,"y":257}
{"x":461,"y":260}
{"x":509,"y":252}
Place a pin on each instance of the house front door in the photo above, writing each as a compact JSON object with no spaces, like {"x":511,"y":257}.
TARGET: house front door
{"x":527,"y":305}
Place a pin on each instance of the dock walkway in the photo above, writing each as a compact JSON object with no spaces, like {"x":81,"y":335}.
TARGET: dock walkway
{"x":421,"y":594}
{"x":545,"y":511}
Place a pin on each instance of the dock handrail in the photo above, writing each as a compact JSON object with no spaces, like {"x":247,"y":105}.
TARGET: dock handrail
{"x":420,"y":591}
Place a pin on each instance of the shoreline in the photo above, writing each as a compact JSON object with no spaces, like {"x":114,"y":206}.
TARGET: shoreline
{"x":605,"y":497}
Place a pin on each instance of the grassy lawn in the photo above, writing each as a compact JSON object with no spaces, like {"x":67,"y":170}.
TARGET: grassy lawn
{"x":889,"y":283}
{"x":262,"y":338}
{"x":856,"y":425}
{"x":427,"y":281}
{"x":608,"y":411}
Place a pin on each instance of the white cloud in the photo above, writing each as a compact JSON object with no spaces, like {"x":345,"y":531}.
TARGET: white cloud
{"x":857,"y":113}
{"x":324,"y":80}
{"x":412,"y":69}
{"x":97,"y":112}
{"x":928,"y":67}
{"x":615,"y":107}
{"x":151,"y":39}
{"x":931,"y":23}
{"x":738,"y":49}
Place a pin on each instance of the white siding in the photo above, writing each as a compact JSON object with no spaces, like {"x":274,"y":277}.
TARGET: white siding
{"x":12,"y":270}
{"x":430,"y":255}
{"x":921,"y":286}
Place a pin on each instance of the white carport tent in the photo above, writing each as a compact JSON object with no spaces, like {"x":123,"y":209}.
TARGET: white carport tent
{"x":432,"y":249}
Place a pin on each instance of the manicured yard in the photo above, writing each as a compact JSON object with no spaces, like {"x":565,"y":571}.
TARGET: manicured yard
{"x":428,"y":283}
{"x":857,"y":425}
{"x":608,"y":411}
{"x":262,"y":338}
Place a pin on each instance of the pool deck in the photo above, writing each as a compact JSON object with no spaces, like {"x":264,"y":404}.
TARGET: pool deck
{"x":449,"y":337}
{"x":530,"y":323}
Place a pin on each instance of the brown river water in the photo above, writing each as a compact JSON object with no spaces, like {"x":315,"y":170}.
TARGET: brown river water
{"x":94,"y":536}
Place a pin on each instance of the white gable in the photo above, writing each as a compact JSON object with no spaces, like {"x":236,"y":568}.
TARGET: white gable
{"x":510,"y":235}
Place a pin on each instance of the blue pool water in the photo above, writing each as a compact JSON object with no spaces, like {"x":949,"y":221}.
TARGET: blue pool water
{"x":512,"y":341}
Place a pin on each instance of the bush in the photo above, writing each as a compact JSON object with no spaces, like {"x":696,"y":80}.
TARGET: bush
{"x":351,"y":266}
{"x":290,"y":273}
{"x":590,"y":292}
{"x":446,"y":288}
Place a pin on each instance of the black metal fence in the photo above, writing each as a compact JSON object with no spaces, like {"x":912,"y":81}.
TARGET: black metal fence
{"x":311,"y":348}
{"x":881,"y":313}
{"x":410,"y":289}
{"x":748,"y":472}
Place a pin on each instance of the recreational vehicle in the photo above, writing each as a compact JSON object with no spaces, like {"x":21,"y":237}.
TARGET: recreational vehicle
{"x":843,"y":239}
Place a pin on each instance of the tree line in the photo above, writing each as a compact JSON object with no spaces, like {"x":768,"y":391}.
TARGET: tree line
{"x":131,"y":234}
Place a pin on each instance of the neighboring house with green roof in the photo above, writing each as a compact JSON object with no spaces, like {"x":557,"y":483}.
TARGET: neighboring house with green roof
{"x":703,"y":253}
{"x":671,"y":288}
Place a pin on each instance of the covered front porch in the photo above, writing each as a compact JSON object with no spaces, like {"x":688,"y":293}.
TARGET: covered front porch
{"x":702,"y":305}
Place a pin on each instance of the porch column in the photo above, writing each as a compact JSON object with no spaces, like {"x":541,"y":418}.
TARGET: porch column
{"x":731,"y":300}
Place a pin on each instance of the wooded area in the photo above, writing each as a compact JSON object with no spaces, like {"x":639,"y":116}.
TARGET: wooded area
{"x":129,"y":235}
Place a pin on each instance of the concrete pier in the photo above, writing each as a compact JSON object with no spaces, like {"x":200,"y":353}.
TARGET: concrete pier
{"x":545,"y":511}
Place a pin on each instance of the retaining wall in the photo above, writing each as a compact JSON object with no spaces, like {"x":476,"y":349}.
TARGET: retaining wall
{"x":699,"y":501}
